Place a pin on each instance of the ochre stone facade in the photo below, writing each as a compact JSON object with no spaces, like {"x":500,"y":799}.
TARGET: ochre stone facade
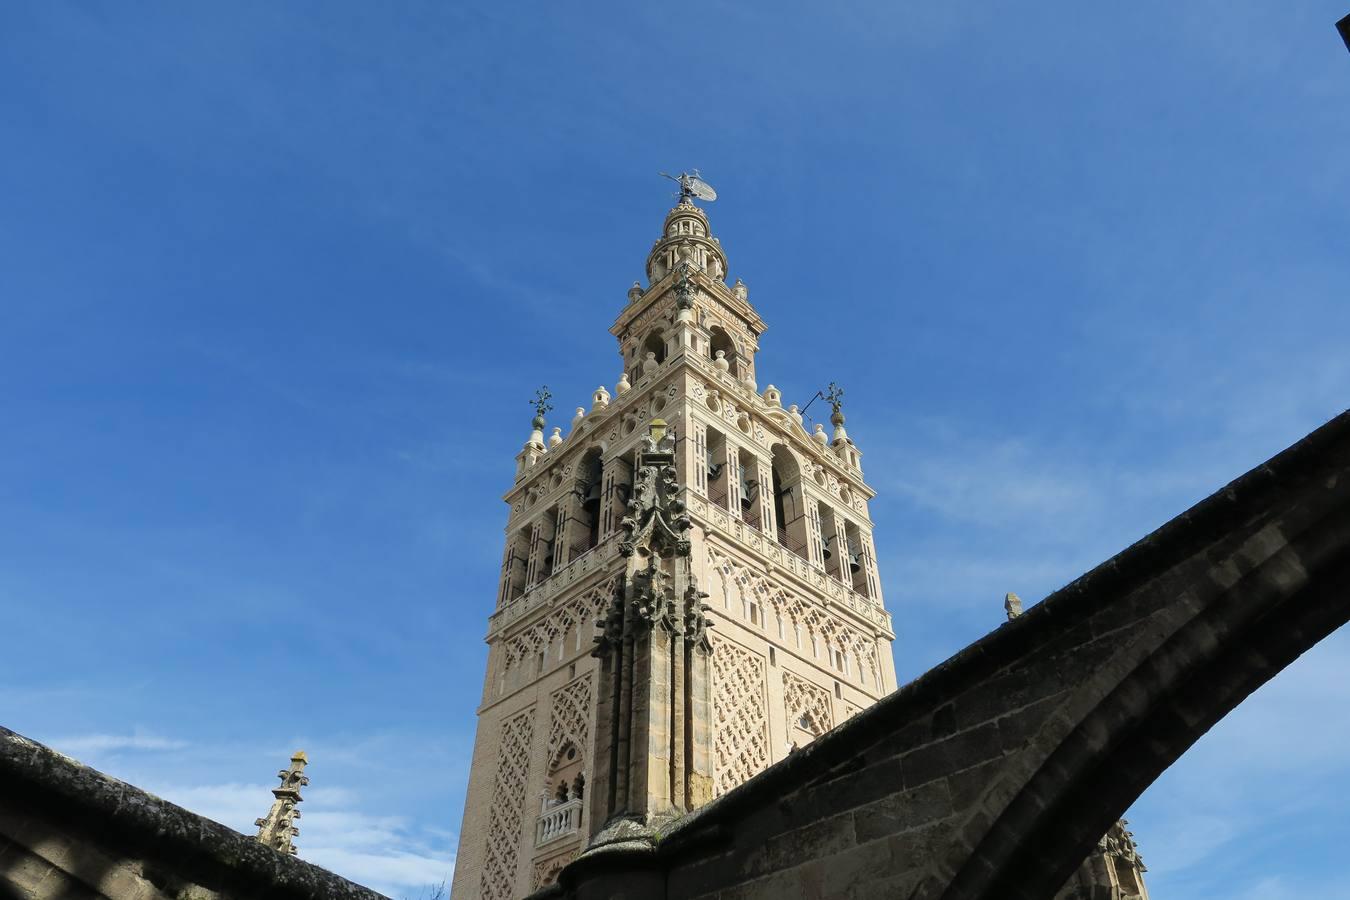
{"x":780,"y":541}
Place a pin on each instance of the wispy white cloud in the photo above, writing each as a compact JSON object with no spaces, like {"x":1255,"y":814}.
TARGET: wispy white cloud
{"x":87,"y":744}
{"x":390,"y":854}
{"x":344,"y":824}
{"x":234,"y":804}
{"x":391,"y":872}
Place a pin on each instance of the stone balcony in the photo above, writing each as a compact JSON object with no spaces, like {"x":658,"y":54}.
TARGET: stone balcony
{"x":558,"y":821}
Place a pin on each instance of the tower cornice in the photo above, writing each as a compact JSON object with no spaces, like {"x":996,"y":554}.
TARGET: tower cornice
{"x":775,"y":417}
{"x":659,"y":290}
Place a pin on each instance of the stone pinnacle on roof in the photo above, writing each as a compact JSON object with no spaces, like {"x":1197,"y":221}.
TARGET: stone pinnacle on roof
{"x":275,"y":829}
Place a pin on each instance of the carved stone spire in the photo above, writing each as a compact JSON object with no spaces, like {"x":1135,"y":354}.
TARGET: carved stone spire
{"x":654,"y":739}
{"x":276,"y":829}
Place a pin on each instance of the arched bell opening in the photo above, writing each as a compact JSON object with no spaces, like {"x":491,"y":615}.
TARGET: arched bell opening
{"x":655,"y":344}
{"x":719,"y":340}
{"x":789,"y":510}
{"x":715,"y":458}
{"x":586,"y":506}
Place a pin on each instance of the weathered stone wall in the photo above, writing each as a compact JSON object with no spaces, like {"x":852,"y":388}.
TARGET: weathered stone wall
{"x":68,"y":832}
{"x":994,"y":775}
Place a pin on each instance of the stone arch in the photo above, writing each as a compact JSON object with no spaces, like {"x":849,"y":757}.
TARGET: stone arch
{"x":655,"y":343}
{"x":719,"y":339}
{"x":1233,"y":621}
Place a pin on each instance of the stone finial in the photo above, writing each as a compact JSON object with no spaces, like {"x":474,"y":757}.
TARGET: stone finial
{"x":835,"y":394}
{"x":555,"y":438}
{"x":541,"y":406}
{"x":720,"y":363}
{"x":820,"y":436}
{"x":276,"y":829}
{"x":740,"y":290}
{"x":577,"y":419}
{"x":624,"y":385}
{"x":1012,"y":604}
{"x":635,"y":293}
{"x":795,"y":413}
{"x":600,"y":399}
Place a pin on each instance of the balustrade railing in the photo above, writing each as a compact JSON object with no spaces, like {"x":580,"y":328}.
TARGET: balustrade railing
{"x":791,"y":543}
{"x":558,"y":821}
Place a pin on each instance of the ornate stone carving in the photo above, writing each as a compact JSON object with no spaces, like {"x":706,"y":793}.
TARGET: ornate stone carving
{"x":546,"y":871}
{"x":807,"y":705}
{"x":570,"y":719}
{"x":276,"y":829}
{"x":504,"y":833}
{"x":653,"y":742}
{"x":740,"y":715}
{"x":816,"y":623}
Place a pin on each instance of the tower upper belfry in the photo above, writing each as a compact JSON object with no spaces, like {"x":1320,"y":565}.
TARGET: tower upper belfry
{"x":686,"y":238}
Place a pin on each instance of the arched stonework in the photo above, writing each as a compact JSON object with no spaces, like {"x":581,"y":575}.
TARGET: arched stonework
{"x":804,"y":700}
{"x":570,"y":720}
{"x":816,"y":621}
{"x":543,"y":634}
{"x":508,"y":798}
{"x":546,"y":871}
{"x":740,"y":715}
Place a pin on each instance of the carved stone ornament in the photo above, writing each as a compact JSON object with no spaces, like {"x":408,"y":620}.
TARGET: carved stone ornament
{"x":653,"y":739}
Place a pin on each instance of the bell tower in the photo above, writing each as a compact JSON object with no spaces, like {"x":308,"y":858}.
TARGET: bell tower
{"x":689,"y":589}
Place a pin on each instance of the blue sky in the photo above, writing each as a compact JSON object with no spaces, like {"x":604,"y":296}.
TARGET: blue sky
{"x":277,"y":281}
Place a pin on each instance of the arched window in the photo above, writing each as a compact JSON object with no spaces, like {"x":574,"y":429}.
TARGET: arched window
{"x":857,"y":560}
{"x":747,"y":471}
{"x":585,"y":531}
{"x":720,"y":340}
{"x":789,"y":512}
{"x":655,"y":343}
{"x":517,"y":566}
{"x":830,"y":542}
{"x":716,"y":462}
{"x":549,"y":559}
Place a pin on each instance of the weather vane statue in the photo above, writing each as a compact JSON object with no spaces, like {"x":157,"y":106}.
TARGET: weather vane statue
{"x":692,"y":185}
{"x":835,"y":394}
{"x":541,"y":402}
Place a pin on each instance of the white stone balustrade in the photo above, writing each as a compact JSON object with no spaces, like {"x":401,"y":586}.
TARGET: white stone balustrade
{"x":558,"y":821}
